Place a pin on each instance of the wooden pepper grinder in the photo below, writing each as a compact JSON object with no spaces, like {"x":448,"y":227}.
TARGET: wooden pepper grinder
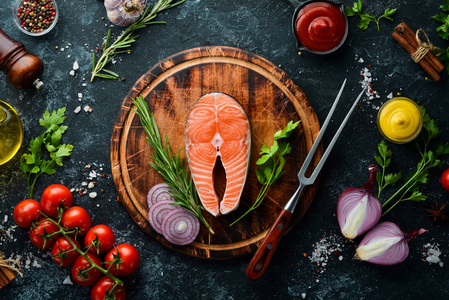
{"x":23,"y":68}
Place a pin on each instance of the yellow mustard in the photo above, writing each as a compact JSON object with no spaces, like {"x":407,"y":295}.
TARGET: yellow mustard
{"x":400,"y":120}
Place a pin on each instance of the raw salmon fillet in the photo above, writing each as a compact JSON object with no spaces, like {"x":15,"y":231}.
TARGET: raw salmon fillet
{"x":218,"y":126}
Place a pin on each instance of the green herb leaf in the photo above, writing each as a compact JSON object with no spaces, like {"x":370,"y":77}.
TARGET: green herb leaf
{"x":126,"y":38}
{"x":271,"y":164}
{"x":445,"y":6}
{"x":33,"y":164}
{"x":366,"y":19}
{"x":392,"y":179}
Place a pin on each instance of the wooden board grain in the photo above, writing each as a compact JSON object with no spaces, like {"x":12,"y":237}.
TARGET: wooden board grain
{"x":270,"y":99}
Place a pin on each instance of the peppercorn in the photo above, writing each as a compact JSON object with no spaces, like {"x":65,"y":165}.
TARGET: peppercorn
{"x":36,"y":16}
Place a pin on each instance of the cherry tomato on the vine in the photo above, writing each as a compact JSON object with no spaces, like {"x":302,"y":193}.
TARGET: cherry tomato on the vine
{"x":130,"y":257}
{"x":103,"y":286}
{"x":445,"y":180}
{"x":76,"y":217}
{"x":86,"y":278}
{"x":53,"y":196}
{"x":62,"y":251}
{"x":102,"y":237}
{"x":26,"y":212}
{"x":36,"y":234}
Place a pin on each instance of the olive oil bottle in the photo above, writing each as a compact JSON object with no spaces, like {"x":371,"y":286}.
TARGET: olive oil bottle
{"x":11,"y":132}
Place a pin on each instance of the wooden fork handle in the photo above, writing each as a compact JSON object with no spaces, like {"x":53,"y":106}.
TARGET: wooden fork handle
{"x":259,"y":263}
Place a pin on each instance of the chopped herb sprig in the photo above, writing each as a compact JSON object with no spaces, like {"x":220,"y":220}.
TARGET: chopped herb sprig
{"x":126,"y":38}
{"x":271,"y":164}
{"x":409,"y":191}
{"x":443,"y":32}
{"x":34,"y":164}
{"x":366,"y":19}
{"x":170,"y":166}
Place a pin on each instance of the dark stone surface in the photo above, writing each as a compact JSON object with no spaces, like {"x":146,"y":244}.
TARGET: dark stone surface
{"x":262,"y":27}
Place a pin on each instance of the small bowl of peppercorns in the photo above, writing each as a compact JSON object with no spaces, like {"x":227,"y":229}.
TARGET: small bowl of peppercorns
{"x":35,"y":17}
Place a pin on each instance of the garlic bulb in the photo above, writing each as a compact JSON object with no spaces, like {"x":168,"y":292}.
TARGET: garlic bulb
{"x":124,"y":12}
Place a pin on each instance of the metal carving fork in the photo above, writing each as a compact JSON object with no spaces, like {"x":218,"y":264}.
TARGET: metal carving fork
{"x":264,"y":253}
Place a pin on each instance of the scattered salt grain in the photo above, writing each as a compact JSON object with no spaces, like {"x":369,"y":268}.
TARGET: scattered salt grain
{"x":84,"y":84}
{"x":72,"y":73}
{"x":80,"y":95}
{"x":67,"y":280}
{"x":87,"y":108}
{"x":77,"y":109}
{"x":5,"y":219}
{"x":93,"y":195}
{"x":83,"y":183}
{"x":390,"y":95}
{"x":76,"y":66}
{"x":62,"y":49}
{"x":361,"y":60}
{"x":431,"y":254}
{"x":93,"y":174}
{"x":303,"y":295}
{"x":91,"y":185}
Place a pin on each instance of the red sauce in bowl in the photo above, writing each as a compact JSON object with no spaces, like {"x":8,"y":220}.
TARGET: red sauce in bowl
{"x":320,"y":26}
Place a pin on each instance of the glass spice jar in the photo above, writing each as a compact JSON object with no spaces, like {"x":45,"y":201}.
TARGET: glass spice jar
{"x":35,"y":17}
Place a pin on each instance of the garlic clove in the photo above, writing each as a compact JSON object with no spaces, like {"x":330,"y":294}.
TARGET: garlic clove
{"x":124,"y":12}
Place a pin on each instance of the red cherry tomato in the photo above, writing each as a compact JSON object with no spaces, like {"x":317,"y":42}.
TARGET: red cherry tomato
{"x":53,"y":196}
{"x":86,"y":278}
{"x":76,"y":217}
{"x":36,"y":232}
{"x":445,"y":180}
{"x":103,"y":286}
{"x":102,"y":237}
{"x":130,"y":257}
{"x":59,"y":248}
{"x":26,"y":212}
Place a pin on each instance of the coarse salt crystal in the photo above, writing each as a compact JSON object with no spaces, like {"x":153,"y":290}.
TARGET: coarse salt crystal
{"x":77,"y":109}
{"x":390,"y":95}
{"x":84,"y":84}
{"x":62,"y":49}
{"x":87,"y":108}
{"x":83,"y":183}
{"x":68,"y":280}
{"x":93,"y":195}
{"x":303,"y":295}
{"x":340,"y":258}
{"x":361,"y":60}
{"x":5,"y":219}
{"x":91,"y":185}
{"x":80,"y":95}
{"x":76,"y":66}
{"x":72,"y":73}
{"x":93,"y":174}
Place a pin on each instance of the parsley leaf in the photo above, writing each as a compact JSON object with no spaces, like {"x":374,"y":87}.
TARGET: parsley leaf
{"x":443,"y":31}
{"x":271,"y":164}
{"x":33,"y":164}
{"x":366,"y":19}
{"x":409,"y":191}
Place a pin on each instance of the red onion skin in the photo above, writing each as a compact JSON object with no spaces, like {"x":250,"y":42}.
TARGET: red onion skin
{"x":157,"y":212}
{"x":396,"y":253}
{"x":169,"y":230}
{"x":351,"y":197}
{"x":154,"y":194}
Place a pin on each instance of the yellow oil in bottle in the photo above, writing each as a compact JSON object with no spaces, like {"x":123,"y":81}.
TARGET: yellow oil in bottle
{"x":11,"y":132}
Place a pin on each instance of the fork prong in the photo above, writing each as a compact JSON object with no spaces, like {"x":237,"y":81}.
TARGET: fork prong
{"x":334,"y":140}
{"x":306,"y":163}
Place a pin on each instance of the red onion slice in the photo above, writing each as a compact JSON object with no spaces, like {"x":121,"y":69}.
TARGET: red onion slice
{"x":180,"y":227}
{"x":159,"y":192}
{"x":157,"y":212}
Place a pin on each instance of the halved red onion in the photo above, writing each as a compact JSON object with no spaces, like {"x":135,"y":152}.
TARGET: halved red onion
{"x":159,"y":192}
{"x":385,"y":244}
{"x":358,"y":210}
{"x":157,"y":212}
{"x":180,"y":227}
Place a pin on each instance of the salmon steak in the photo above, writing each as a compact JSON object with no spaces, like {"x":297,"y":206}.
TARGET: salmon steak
{"x":216,"y":126}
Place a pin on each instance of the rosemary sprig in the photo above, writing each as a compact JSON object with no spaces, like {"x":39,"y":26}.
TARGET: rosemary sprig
{"x":126,"y":38}
{"x":169,"y":165}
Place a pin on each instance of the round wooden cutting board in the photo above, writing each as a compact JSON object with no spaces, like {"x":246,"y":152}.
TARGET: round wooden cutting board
{"x":270,"y":99}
